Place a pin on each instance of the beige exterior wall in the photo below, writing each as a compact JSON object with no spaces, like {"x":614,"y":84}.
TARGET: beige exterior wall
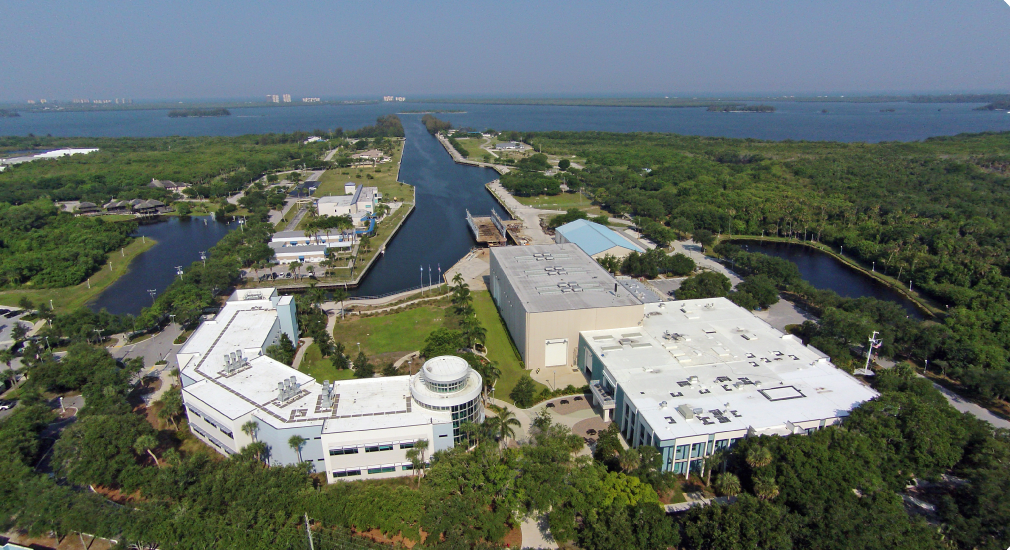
{"x":618,"y":252}
{"x":553,"y":325}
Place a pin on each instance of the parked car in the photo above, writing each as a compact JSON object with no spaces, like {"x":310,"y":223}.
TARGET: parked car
{"x":14,"y":313}
{"x":4,"y":405}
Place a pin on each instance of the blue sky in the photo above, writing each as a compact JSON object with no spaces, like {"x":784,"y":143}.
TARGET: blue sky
{"x":63,"y":49}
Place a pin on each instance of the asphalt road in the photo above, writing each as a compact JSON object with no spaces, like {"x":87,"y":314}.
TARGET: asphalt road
{"x":159,"y":347}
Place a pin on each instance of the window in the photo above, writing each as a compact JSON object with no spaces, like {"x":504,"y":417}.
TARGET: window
{"x":194,"y":411}
{"x":344,"y":451}
{"x":378,"y":447}
{"x":681,"y":452}
{"x":589,"y":361}
{"x":697,"y":450}
{"x":381,"y":469}
{"x":407,"y":467}
{"x":722,"y":444}
{"x":346,"y":473}
{"x":409,"y":445}
{"x":680,"y":467}
{"x":226,"y":432}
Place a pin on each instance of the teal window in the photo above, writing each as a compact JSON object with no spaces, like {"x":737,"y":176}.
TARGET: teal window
{"x":681,"y":452}
{"x":680,"y":467}
{"x":697,"y":450}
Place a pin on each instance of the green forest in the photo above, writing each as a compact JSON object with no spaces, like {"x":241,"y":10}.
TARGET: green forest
{"x":123,"y":167}
{"x":838,"y":488}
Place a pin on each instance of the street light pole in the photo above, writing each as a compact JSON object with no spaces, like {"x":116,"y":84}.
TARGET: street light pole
{"x":153,"y":292}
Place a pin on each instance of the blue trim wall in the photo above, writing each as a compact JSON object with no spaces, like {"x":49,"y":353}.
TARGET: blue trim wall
{"x":282,"y":453}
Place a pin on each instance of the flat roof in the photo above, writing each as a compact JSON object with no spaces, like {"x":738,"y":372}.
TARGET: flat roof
{"x":595,"y":238}
{"x":726,"y":368}
{"x":244,"y":324}
{"x":560,"y":277}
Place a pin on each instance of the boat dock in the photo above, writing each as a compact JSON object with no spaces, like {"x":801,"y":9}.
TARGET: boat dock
{"x":492,"y":230}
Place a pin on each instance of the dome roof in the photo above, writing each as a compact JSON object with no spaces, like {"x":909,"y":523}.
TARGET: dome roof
{"x":445,"y":368}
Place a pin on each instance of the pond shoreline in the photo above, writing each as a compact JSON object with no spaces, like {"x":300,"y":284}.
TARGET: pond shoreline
{"x":922,"y":303}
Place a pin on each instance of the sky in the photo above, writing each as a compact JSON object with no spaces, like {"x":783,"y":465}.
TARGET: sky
{"x":218,"y":49}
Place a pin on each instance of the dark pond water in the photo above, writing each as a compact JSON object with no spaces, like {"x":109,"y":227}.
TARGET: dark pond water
{"x":824,"y":271}
{"x":179,"y":244}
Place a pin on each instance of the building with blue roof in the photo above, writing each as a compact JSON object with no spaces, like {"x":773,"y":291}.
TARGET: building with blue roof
{"x":595,"y":239}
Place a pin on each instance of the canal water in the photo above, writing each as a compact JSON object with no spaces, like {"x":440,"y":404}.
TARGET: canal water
{"x":436,"y":233}
{"x":180,"y":241}
{"x":825,"y":272}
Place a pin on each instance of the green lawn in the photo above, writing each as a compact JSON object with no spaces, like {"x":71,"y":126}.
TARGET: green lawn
{"x":472,"y":146}
{"x":402,"y":331}
{"x":564,"y":201}
{"x":499,"y":346}
{"x":73,"y":297}
{"x":321,"y":369}
{"x":383,"y":176}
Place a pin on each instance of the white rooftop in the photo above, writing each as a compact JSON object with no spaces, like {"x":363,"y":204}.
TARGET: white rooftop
{"x":559,"y":277}
{"x":244,"y":324}
{"x":724,"y":367}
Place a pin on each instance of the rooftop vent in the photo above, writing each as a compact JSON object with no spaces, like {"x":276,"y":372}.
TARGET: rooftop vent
{"x":287,"y":389}
{"x":234,"y":361}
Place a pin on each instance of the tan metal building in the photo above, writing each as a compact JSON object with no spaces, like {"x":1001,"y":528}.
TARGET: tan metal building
{"x":547,"y":294}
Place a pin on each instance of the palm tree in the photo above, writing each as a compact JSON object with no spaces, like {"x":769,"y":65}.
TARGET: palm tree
{"x":296,"y":442}
{"x":257,"y":449}
{"x":470,"y":429}
{"x":727,"y":484}
{"x":416,"y":455}
{"x":765,"y":489}
{"x":145,"y":443}
{"x":629,"y":460}
{"x":339,"y":295}
{"x":507,"y":422}
{"x":759,"y":457}
{"x":250,"y":428}
{"x":717,"y":457}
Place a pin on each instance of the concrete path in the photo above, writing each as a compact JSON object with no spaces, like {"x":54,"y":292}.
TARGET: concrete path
{"x":784,"y":313}
{"x":524,"y":418}
{"x":684,"y":506}
{"x":966,"y":406}
{"x":300,"y":354}
{"x":693,"y":250}
{"x":277,"y":215}
{"x":536,"y":533}
{"x":297,"y":219}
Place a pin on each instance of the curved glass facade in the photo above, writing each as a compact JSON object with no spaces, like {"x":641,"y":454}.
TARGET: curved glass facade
{"x":472,"y":411}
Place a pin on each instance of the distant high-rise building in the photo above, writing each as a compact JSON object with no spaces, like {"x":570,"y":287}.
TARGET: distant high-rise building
{"x":388,"y":98}
{"x":31,"y":102}
{"x":401,"y":99}
{"x":287,"y":98}
{"x":274,"y":98}
{"x":310,"y":100}
{"x":42,"y":100}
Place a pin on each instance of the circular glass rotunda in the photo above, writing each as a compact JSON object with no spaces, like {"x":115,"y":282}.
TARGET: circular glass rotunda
{"x":448,"y":384}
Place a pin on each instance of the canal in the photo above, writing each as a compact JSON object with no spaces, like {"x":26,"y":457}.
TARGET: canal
{"x":825,"y":272}
{"x":180,"y":241}
{"x":436,"y":234}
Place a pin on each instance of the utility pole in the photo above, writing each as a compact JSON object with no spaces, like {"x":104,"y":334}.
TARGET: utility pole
{"x":203,"y":256}
{"x":309,"y":533}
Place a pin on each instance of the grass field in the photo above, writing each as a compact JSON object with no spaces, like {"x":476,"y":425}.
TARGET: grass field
{"x":564,"y":201}
{"x":383,"y":176}
{"x":402,"y":331}
{"x":499,"y":347}
{"x":314,"y":365}
{"x":472,"y":146}
{"x":74,"y":297}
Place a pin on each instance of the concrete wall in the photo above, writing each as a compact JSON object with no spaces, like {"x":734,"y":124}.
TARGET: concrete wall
{"x":442,"y":439}
{"x":510,"y":307}
{"x":363,"y":460}
{"x":618,"y":252}
{"x":555,"y":325}
{"x":287,"y":316}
